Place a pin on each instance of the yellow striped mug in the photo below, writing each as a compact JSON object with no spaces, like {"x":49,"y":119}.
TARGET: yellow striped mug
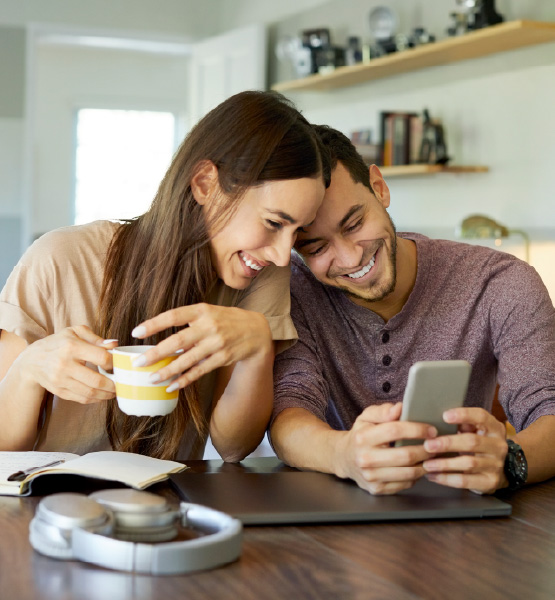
{"x":135,"y":393}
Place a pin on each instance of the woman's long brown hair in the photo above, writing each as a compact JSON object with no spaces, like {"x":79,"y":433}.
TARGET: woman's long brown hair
{"x":161,"y":260}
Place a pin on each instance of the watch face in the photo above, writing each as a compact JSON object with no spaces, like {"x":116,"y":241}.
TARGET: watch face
{"x":383,"y":23}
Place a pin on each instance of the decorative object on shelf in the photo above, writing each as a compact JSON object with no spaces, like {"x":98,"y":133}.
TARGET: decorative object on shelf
{"x":383,"y":24}
{"x":419,"y":37}
{"x":362,"y":141}
{"x":327,"y":59}
{"x":401,"y":138}
{"x":325,"y":56}
{"x":476,"y":14}
{"x":482,"y":227}
{"x":383,"y":29}
{"x":503,"y":37}
{"x":316,"y":38}
{"x":434,"y":146}
{"x":361,"y":136}
{"x":291,"y":49}
{"x":353,"y":51}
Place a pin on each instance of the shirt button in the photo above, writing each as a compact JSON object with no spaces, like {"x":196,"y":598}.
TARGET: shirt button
{"x":385,"y":337}
{"x":386,"y":360}
{"x":386,"y":387}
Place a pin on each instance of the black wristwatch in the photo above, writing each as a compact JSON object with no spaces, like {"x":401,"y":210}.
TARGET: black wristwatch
{"x":516,"y":466}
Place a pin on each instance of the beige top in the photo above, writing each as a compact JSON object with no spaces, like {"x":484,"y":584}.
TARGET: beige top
{"x":57,"y":283}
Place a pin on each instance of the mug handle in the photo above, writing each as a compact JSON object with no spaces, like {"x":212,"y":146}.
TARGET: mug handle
{"x":106,"y":374}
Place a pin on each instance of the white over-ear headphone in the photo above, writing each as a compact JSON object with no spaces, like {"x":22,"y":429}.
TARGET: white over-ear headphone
{"x":93,"y":529}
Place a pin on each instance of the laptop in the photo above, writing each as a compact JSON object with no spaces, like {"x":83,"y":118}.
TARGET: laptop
{"x":270,"y":494}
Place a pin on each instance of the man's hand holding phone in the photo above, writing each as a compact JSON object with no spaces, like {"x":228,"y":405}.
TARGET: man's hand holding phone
{"x":470,"y":447}
{"x":481,"y":448}
{"x":391,"y":446}
{"x":368,"y":455}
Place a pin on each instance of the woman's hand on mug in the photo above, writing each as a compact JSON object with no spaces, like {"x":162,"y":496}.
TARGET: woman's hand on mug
{"x":216,"y":336}
{"x":57,"y":364}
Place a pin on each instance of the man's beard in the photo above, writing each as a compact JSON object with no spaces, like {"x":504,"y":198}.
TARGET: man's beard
{"x":377,"y":291}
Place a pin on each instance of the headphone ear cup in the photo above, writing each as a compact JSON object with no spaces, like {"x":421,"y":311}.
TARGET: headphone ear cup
{"x":49,"y":540}
{"x":58,"y":515}
{"x":139,"y":516}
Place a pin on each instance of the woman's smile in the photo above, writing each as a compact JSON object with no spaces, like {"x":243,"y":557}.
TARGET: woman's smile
{"x":253,"y":267}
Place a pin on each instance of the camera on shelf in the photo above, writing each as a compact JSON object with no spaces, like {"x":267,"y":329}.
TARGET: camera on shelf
{"x":475,"y":14}
{"x":383,"y":24}
{"x":324,"y":56}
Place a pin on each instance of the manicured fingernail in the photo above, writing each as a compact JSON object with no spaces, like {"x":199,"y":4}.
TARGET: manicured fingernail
{"x":140,"y":361}
{"x":449,"y":415}
{"x":106,"y":342}
{"x":432,"y":432}
{"x":154,"y":378}
{"x":139,"y":331}
{"x":171,"y":388}
{"x":431,"y":445}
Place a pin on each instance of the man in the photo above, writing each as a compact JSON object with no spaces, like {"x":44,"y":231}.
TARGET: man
{"x":368,"y":303}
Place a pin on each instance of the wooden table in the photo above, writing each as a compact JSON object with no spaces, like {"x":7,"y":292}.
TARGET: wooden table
{"x":509,"y":557}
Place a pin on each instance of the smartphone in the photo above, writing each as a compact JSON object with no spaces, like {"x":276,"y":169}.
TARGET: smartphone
{"x":432,"y":388}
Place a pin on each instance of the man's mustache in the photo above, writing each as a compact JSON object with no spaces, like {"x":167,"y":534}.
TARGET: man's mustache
{"x":366,"y":256}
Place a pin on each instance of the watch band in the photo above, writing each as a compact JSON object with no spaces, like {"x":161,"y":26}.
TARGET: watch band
{"x":516,"y":465}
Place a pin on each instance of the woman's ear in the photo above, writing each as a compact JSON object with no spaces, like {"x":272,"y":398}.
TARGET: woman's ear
{"x":381,"y":191}
{"x":204,"y":182}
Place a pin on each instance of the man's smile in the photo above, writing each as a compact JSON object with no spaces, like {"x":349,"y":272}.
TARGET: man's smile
{"x":364,"y":269}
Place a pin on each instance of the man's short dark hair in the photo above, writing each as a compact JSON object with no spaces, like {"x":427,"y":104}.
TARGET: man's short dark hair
{"x":340,"y":148}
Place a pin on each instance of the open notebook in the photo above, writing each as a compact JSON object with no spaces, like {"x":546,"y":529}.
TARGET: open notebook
{"x":290,"y":496}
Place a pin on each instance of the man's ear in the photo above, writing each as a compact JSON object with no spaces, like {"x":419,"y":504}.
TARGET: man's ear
{"x":204,"y":182}
{"x":381,"y":191}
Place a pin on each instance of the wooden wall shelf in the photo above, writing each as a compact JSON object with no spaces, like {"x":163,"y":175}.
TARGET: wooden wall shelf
{"x":496,"y":38}
{"x":412,"y":170}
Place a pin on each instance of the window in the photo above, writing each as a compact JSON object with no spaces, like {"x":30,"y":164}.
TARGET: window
{"x":121,"y":157}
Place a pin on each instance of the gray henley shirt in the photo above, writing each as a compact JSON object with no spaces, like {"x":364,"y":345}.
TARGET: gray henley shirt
{"x":468,"y":302}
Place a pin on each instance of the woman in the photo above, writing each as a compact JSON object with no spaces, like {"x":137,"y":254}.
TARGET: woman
{"x":204,"y":271}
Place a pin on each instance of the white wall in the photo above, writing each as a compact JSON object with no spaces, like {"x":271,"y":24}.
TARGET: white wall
{"x":198,"y":18}
{"x":498,"y":111}
{"x":168,"y":17}
{"x":237,"y":13}
{"x":11,"y":139}
{"x":12,"y":95}
{"x":69,"y":78}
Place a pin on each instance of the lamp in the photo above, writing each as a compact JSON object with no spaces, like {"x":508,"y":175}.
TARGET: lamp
{"x":482,"y":227}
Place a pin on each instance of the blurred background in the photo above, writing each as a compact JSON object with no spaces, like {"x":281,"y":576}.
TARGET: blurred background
{"x":96,"y":95}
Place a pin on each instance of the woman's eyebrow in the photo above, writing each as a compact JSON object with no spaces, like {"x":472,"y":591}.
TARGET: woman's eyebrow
{"x":282,"y":215}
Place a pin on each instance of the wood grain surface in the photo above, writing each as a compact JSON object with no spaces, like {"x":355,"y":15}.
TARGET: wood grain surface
{"x":508,"y":557}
